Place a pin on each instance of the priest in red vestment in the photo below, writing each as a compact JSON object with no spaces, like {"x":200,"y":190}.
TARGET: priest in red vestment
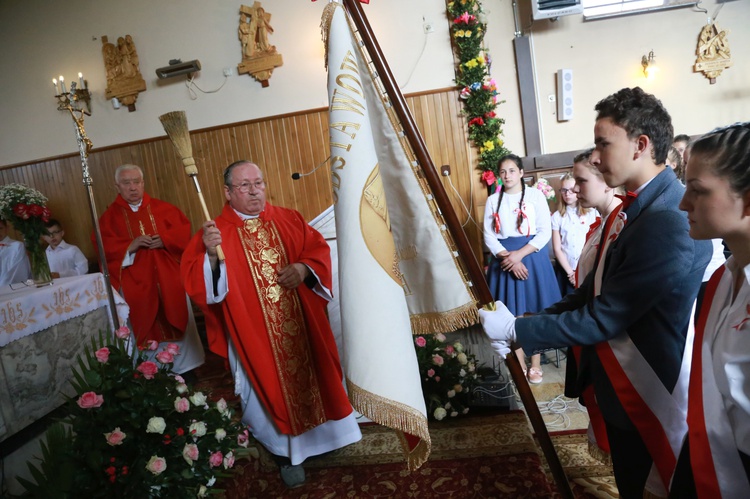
{"x":265,"y":309}
{"x":143,"y":241}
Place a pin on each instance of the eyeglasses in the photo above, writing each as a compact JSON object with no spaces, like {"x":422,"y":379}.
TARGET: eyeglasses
{"x":245,"y":186}
{"x":565,"y":190}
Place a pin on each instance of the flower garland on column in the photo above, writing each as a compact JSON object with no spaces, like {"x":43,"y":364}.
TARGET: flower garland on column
{"x":478,"y":90}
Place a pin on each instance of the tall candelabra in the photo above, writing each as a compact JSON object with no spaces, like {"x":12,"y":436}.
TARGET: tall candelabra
{"x":71,"y":102}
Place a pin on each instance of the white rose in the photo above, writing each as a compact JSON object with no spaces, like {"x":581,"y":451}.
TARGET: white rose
{"x":197,"y":429}
{"x":454,"y":414}
{"x":221,"y":405}
{"x":211,"y":481}
{"x":220,"y":435}
{"x":463,"y":359}
{"x":198,"y":399}
{"x":458,"y":346}
{"x":440,"y":337}
{"x":451,"y":394}
{"x":202,"y":491}
{"x":182,"y":388}
{"x":156,"y":425}
{"x":439,"y":413}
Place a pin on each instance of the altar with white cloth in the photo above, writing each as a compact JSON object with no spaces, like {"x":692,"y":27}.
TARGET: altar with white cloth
{"x":42,"y":330}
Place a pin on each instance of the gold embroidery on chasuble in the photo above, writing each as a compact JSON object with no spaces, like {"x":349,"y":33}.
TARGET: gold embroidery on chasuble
{"x":285,"y":325}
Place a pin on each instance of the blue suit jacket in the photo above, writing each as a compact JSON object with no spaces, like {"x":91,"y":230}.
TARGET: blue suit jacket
{"x":651,"y":277}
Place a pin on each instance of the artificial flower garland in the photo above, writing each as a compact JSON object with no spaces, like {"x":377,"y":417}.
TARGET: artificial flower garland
{"x":478,"y":90}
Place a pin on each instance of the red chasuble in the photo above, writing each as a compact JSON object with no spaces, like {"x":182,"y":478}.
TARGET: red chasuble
{"x":282,"y":336}
{"x":151,"y":285}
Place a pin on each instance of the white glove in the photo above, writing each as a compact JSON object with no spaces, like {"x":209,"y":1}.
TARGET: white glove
{"x":500,"y":327}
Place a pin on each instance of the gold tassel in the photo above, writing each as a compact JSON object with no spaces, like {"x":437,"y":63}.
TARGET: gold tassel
{"x":400,"y":417}
{"x":440,"y":322}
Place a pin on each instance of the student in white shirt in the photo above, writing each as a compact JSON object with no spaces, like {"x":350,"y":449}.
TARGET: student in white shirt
{"x":715,"y":457}
{"x":65,"y":260}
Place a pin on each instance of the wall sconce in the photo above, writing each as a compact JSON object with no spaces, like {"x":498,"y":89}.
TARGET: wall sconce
{"x":649,"y":65}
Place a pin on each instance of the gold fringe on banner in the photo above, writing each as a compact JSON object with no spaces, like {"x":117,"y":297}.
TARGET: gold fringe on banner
{"x":442,"y":322}
{"x":325,"y":27}
{"x":398,"y":416}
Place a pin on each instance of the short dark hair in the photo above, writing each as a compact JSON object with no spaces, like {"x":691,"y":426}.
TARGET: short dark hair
{"x":639,"y":113}
{"x":52,"y":222}
{"x":681,"y":138}
{"x":727,"y":150}
{"x":229,"y":169}
{"x":583,"y":156}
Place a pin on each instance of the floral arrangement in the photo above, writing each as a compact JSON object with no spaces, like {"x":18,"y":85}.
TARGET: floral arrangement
{"x":546,"y":189}
{"x":448,"y":373}
{"x":137,"y":430}
{"x":478,"y":90}
{"x":24,"y":207}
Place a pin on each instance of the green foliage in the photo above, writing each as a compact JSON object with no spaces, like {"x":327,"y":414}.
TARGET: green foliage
{"x":448,"y":374}
{"x":478,"y":90}
{"x":136,"y":430}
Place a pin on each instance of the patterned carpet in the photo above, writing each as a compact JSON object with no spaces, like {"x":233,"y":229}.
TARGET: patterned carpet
{"x":489,"y":455}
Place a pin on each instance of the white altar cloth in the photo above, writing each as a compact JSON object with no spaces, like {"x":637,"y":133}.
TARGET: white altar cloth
{"x":25,"y":310}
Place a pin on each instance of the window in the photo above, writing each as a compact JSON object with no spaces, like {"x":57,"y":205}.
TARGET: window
{"x":600,"y":9}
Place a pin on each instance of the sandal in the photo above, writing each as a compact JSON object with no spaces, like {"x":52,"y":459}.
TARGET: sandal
{"x":535,"y":375}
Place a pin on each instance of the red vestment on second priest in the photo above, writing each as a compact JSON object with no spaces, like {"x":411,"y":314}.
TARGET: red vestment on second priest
{"x":151,"y":286}
{"x":282,"y":337}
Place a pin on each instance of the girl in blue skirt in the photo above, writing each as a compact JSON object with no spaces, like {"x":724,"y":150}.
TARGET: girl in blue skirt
{"x":516,"y":232}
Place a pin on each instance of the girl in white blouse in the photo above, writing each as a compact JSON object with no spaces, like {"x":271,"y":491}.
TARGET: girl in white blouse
{"x":516,"y":227}
{"x":715,"y":457}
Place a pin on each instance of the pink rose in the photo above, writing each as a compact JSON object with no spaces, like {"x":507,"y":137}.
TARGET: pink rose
{"x":102,"y":355}
{"x":89,"y":400}
{"x":228,"y":460}
{"x":190,"y":453}
{"x":148,"y":369}
{"x":156,"y":465}
{"x":420,"y":341}
{"x":181,"y":404}
{"x":115,"y":437}
{"x":431,"y":373}
{"x":437,"y":360}
{"x":179,"y":379}
{"x":165,"y":357}
{"x":243,"y":439}
{"x":122,"y":332}
{"x":440,"y":337}
{"x":173,"y":348}
{"x":216,"y":459}
{"x":449,"y":350}
{"x":152,"y":345}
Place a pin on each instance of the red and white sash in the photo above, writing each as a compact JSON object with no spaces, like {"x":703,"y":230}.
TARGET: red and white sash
{"x":716,"y":464}
{"x":659,"y":416}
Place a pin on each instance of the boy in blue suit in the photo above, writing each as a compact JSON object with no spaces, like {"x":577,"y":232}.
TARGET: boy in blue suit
{"x":632,"y":312}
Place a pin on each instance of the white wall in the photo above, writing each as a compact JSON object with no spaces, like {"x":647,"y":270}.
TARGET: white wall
{"x":42,"y":39}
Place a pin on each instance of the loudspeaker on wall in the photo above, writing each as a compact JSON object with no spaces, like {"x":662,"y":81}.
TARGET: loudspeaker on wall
{"x":564,"y":94}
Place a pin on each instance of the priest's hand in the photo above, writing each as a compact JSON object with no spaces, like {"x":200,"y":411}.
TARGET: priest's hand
{"x":500,"y":326}
{"x":156,"y":242}
{"x":139,"y":242}
{"x":211,"y":239}
{"x":292,"y":275}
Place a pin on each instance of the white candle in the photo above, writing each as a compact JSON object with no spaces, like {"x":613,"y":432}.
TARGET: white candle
{"x":80,"y":80}
{"x":62,"y":84}
{"x":57,"y":89}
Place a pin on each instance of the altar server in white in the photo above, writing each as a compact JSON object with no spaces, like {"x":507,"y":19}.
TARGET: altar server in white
{"x":14,"y":264}
{"x":65,"y":260}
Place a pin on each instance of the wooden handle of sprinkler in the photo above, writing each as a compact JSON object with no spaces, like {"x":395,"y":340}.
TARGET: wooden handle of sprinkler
{"x":219,"y":251}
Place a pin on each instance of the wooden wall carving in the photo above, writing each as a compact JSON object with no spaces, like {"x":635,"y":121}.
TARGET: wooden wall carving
{"x":281,"y":145}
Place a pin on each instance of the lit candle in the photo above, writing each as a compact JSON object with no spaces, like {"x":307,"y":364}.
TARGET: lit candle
{"x":62,"y":84}
{"x":57,"y":89}
{"x":80,"y":80}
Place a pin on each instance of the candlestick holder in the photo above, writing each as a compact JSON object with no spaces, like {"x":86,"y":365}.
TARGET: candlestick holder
{"x":74,"y":98}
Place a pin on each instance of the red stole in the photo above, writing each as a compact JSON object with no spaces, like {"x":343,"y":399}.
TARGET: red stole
{"x":151,"y":285}
{"x":282,"y":337}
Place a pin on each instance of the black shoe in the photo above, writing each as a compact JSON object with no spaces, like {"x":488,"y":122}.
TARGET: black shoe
{"x":292,"y":476}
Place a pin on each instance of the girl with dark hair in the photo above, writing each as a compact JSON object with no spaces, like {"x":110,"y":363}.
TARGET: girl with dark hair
{"x":715,"y":457}
{"x":516,"y":227}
